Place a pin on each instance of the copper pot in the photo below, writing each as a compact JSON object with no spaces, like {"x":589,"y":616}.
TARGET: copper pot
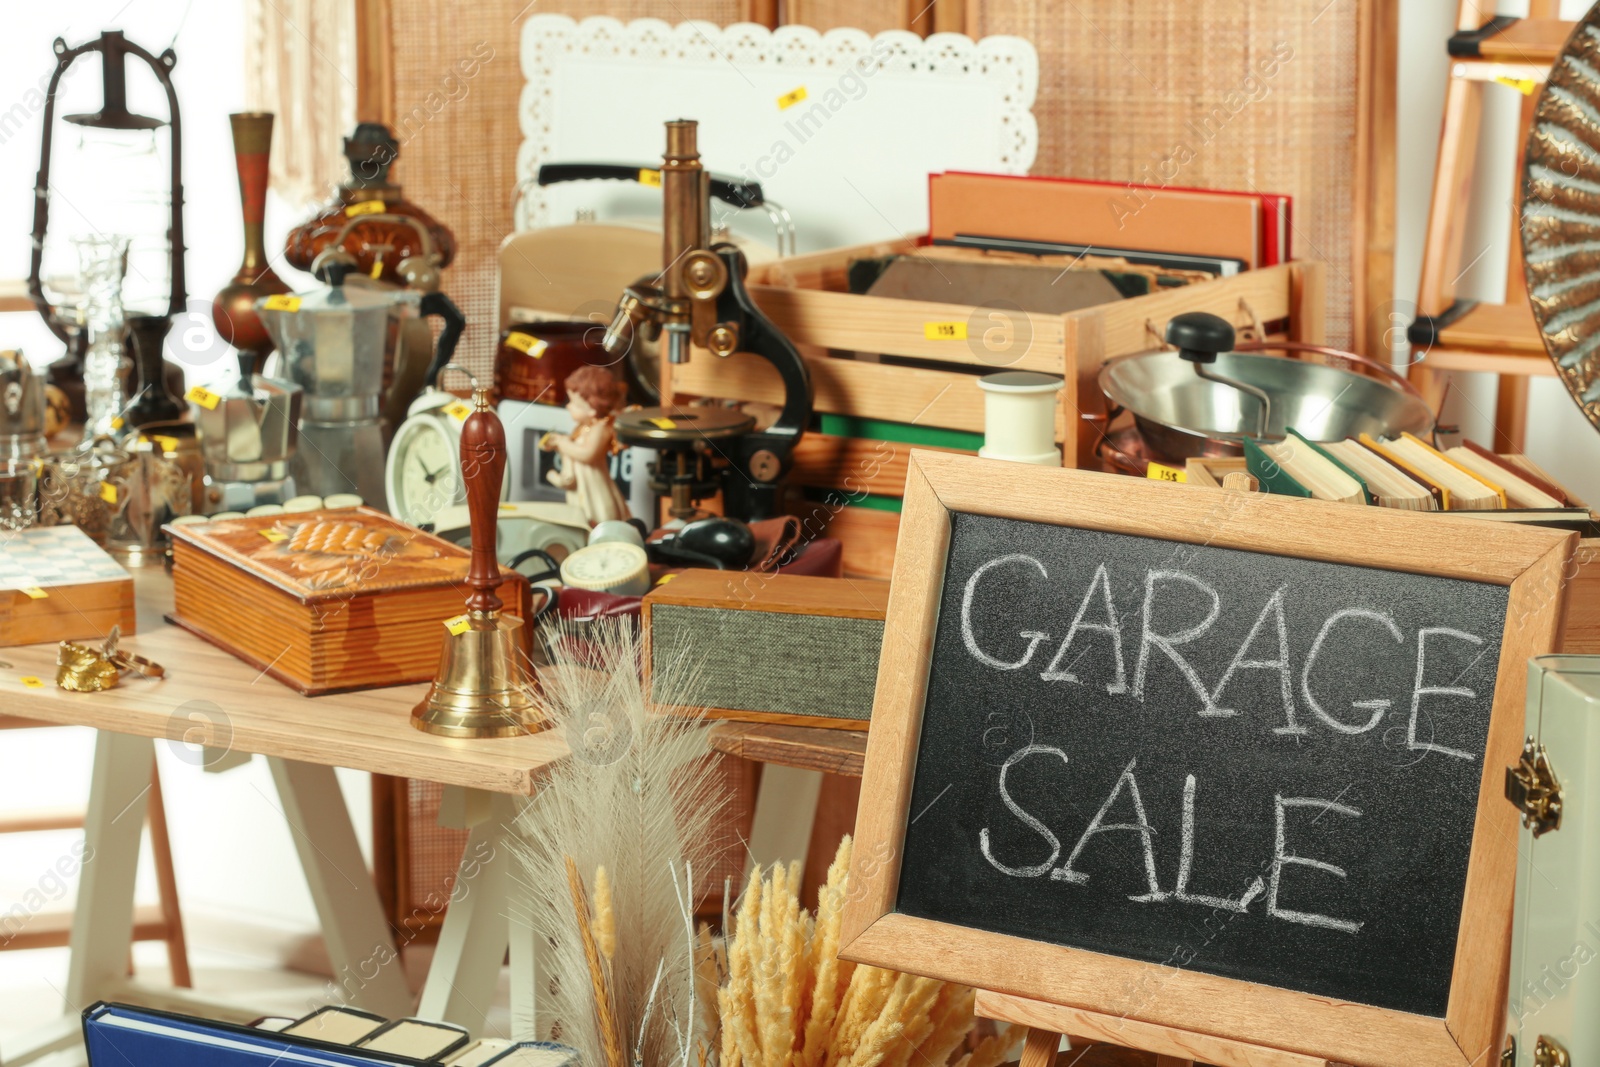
{"x":534,"y":360}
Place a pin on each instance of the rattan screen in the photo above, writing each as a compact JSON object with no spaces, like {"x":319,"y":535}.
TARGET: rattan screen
{"x":1179,"y":93}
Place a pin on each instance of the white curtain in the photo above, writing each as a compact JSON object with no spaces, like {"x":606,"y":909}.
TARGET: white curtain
{"x":300,"y":64}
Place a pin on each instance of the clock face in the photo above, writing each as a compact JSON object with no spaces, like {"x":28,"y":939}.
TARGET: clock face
{"x":603,"y":562}
{"x":427,"y":473}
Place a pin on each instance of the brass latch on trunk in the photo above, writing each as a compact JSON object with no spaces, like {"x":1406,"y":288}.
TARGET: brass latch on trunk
{"x":1548,"y":1052}
{"x":1533,"y":787}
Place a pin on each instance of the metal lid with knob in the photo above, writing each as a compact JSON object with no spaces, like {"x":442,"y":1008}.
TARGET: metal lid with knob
{"x":1200,"y":337}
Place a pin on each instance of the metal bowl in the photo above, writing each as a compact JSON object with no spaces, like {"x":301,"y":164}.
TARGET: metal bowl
{"x":1181,"y":414}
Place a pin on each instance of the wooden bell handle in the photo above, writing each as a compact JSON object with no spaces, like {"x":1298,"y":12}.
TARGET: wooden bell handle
{"x":483,"y":468}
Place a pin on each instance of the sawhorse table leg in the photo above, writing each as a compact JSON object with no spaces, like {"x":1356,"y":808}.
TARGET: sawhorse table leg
{"x":481,"y":924}
{"x":360,"y":947}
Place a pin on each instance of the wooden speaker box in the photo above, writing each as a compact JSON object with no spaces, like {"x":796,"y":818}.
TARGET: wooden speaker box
{"x":767,"y":648}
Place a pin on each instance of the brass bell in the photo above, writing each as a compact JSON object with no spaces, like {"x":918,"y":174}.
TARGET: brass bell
{"x":483,"y":688}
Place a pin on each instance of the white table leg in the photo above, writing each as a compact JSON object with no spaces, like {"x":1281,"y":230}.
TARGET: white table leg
{"x":786,"y":808}
{"x":102,"y":919}
{"x":477,"y":930}
{"x":366,"y":967}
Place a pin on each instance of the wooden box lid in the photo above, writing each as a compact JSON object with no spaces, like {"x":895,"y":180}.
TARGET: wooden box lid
{"x":318,"y":555}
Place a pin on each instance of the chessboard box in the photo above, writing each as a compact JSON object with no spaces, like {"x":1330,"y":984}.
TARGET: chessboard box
{"x":56,"y":584}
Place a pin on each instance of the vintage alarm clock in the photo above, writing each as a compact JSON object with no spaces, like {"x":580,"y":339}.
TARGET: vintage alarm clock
{"x":422,"y":474}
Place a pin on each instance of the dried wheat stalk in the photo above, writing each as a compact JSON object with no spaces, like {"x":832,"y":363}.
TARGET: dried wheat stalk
{"x":788,"y":1000}
{"x":597,"y":976}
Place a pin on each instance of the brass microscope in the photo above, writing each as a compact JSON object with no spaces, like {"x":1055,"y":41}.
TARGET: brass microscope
{"x":699,"y":299}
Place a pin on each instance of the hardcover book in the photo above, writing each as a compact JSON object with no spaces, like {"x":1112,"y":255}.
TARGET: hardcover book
{"x":325,"y":600}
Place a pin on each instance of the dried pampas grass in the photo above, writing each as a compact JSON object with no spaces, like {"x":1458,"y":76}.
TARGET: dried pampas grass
{"x":790,"y":1001}
{"x":631,"y":812}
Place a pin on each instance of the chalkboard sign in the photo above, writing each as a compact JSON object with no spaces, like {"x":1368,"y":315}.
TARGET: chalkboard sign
{"x":1148,"y":745}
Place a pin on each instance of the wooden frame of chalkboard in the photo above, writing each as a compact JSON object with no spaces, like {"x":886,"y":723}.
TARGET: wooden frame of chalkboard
{"x":1163,"y":1005}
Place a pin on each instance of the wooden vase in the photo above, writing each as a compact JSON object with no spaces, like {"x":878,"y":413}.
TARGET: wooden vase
{"x":234,"y":309}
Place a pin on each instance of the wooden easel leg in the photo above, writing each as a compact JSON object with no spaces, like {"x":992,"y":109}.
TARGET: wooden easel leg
{"x":1040,"y":1048}
{"x":1511,"y":413}
{"x":361,"y":950}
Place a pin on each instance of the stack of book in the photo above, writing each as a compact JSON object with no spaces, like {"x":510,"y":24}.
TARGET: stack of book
{"x":1220,"y":232}
{"x":1408,"y":473}
{"x":326,"y":600}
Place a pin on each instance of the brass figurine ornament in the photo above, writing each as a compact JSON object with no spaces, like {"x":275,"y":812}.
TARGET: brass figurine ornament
{"x":483,"y":689}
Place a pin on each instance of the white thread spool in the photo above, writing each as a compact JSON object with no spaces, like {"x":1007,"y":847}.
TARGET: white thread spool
{"x":1019,"y":417}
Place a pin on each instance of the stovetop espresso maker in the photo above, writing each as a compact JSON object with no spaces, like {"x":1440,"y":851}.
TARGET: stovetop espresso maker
{"x":331,"y":343}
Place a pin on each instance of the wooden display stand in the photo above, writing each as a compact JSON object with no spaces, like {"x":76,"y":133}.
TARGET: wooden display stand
{"x":859,"y":351}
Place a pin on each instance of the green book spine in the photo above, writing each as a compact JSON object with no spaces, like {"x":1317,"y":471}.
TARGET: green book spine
{"x":1366,"y":494}
{"x":1273,"y":478}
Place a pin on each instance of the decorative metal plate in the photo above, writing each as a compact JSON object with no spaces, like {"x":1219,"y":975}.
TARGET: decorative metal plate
{"x":1561,"y":215}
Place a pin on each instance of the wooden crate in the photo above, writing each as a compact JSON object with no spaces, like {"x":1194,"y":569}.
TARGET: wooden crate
{"x":845,"y":339}
{"x":1581,"y":618}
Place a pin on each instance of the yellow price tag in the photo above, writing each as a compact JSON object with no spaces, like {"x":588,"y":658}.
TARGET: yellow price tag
{"x":108,"y":492}
{"x":1525,"y":86}
{"x":527,"y":344}
{"x":165,"y":443}
{"x":116,"y":422}
{"x":665,"y":578}
{"x":506,"y":505}
{"x":199,"y":394}
{"x":281,"y":302}
{"x":663,"y":424}
{"x":33,"y":592}
{"x":649,"y":177}
{"x":458,"y":625}
{"x":1162,"y":473}
{"x":31,"y":682}
{"x":944,"y":331}
{"x":366,"y":207}
{"x":274,"y":535}
{"x":377,"y":268}
{"x":791,"y":98}
{"x":458,"y":411}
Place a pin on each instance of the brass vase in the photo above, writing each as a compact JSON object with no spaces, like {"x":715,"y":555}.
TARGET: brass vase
{"x":234,"y":309}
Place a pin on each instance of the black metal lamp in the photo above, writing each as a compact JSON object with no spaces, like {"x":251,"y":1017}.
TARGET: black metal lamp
{"x":114,"y":48}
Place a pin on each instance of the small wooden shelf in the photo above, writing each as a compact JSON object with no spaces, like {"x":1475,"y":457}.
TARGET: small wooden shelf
{"x":810,"y":748}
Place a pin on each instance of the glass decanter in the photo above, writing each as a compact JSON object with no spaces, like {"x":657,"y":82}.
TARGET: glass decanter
{"x":102,"y":263}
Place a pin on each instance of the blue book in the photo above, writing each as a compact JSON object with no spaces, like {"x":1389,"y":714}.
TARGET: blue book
{"x":117,"y":1035}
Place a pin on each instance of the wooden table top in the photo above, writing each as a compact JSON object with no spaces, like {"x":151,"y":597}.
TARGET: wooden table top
{"x":209,"y":697}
